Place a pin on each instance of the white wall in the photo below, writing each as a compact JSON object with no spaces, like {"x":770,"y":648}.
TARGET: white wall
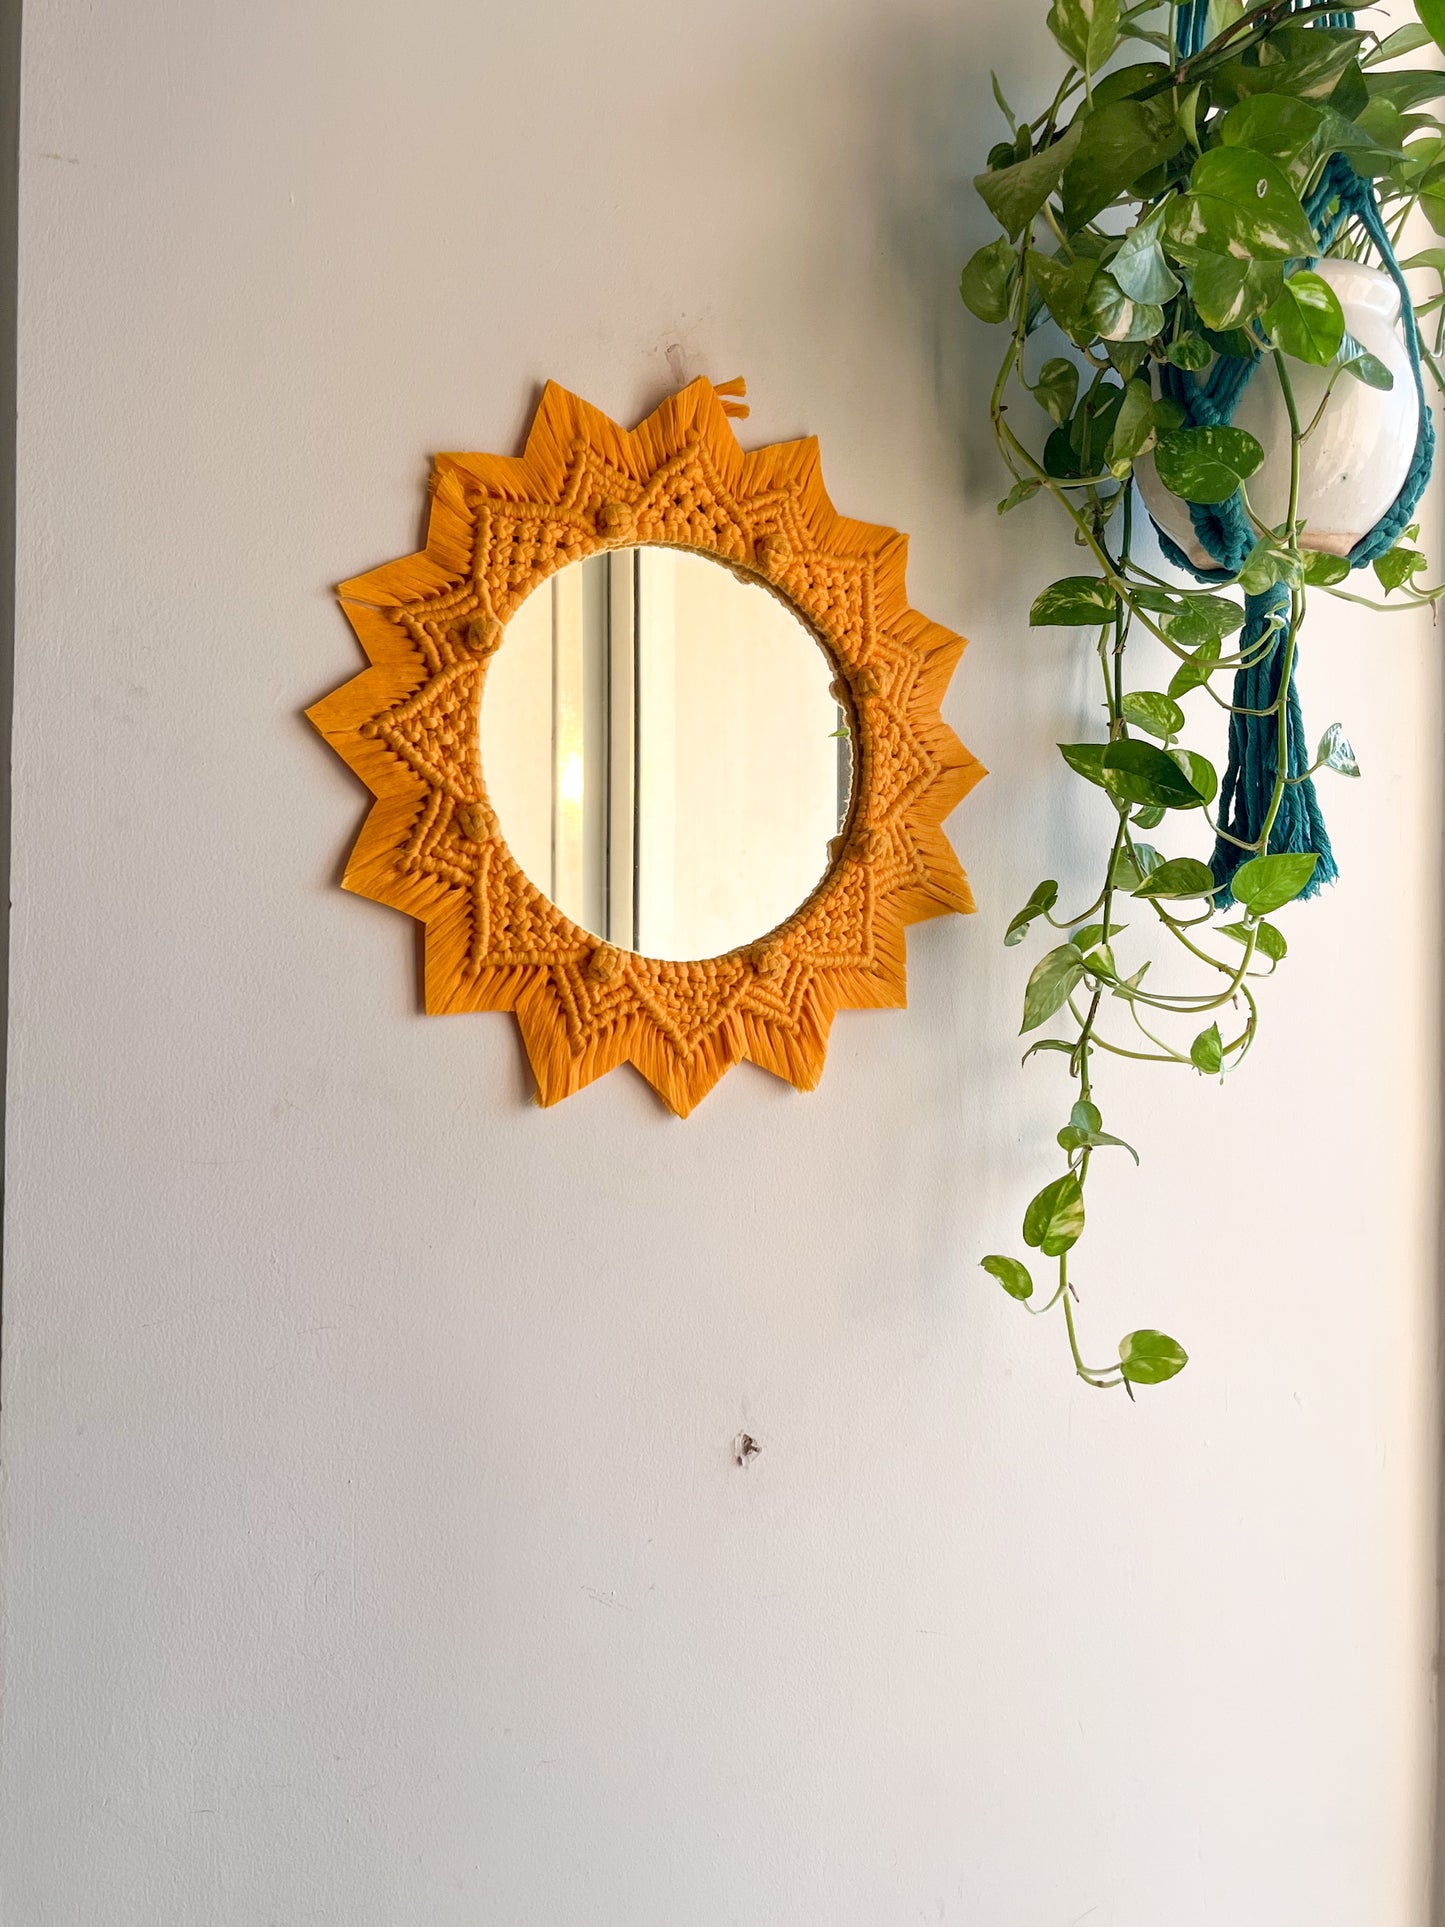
{"x":373,"y":1553}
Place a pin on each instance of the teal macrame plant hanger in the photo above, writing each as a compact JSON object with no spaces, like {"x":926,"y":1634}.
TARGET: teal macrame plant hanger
{"x":1224,"y":532}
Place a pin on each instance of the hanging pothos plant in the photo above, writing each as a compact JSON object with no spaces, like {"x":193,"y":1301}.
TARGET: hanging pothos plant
{"x":1176,"y":218}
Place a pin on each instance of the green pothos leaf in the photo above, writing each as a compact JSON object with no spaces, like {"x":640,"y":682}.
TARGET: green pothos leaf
{"x":1395,"y":567}
{"x":1206,"y":1053}
{"x":1115,"y":317}
{"x":1406,"y":88}
{"x":1196,"y":672}
{"x":1136,"y":772}
{"x":1078,"y":447}
{"x":1275,"y":125}
{"x":1267,"y":883}
{"x":1306,"y":319}
{"x":1156,"y":714}
{"x":1203,"y":777}
{"x":1229,"y":290}
{"x":1364,"y":366}
{"x":1128,"y":985}
{"x":1074,"y":600}
{"x":1323,"y":571}
{"x":1131,"y":866}
{"x":1335,"y":752}
{"x":1192,"y":616}
{"x":1057,"y":387}
{"x":987,"y":282}
{"x":1085,"y":759}
{"x":1241,"y":203}
{"x":1406,"y":39}
{"x":1133,"y":427}
{"x":1089,"y":934}
{"x":1309,"y":62}
{"x":1063,"y":287}
{"x":1050,"y":982}
{"x":1182,"y":876}
{"x":1122,"y":139}
{"x":1268,"y":562}
{"x":1085,"y":1132}
{"x":1022,"y":491}
{"x":1087,"y":30}
{"x":1190,"y":352}
{"x":1013,"y":1276}
{"x":1142,"y":272}
{"x":1048,"y":1043}
{"x":1043,"y":900}
{"x":1014,"y":194}
{"x":1149,"y":1357}
{"x":1054,"y":1219}
{"x":1266,"y":938}
{"x":1206,"y":464}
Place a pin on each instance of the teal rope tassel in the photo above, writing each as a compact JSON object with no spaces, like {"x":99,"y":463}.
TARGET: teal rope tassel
{"x":1248,"y":782}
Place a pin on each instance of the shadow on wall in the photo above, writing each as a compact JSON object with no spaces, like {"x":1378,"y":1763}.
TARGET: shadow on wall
{"x":862,"y":256}
{"x":926,"y":155}
{"x":875,"y":241}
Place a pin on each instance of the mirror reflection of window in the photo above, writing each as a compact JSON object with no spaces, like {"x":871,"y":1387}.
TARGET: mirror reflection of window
{"x":663,"y":751}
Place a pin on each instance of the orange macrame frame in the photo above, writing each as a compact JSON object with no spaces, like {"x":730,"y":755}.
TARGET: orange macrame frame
{"x":408,"y":726}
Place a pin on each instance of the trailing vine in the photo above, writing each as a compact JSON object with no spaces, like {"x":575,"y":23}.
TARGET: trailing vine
{"x":1161,"y":220}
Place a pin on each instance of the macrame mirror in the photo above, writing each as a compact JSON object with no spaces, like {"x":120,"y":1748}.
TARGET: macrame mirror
{"x":655,"y":743}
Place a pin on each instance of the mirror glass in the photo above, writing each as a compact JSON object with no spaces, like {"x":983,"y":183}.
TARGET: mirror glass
{"x":663,"y":751}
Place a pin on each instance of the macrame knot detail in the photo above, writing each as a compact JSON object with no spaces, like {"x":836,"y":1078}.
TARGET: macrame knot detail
{"x":484,"y":633}
{"x":770,"y":960}
{"x":616,"y":522}
{"x":604,"y":964}
{"x":774,"y":552}
{"x":476,"y":822}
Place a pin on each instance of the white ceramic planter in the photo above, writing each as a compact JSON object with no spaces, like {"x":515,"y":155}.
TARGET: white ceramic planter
{"x":1352,"y":467}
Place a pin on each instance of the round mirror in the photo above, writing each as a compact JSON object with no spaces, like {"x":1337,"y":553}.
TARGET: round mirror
{"x":664,"y":752}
